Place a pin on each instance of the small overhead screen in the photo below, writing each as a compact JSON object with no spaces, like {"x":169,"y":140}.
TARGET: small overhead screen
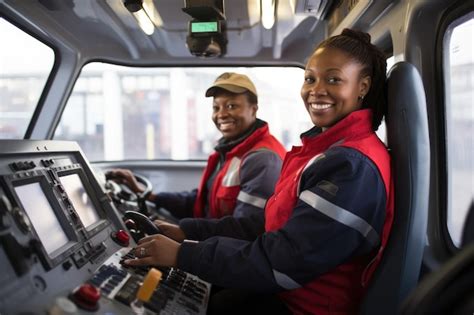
{"x":204,"y":27}
{"x":80,"y":199}
{"x":42,"y":216}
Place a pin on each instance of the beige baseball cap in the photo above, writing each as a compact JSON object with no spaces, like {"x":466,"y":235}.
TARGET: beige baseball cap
{"x":232,"y":82}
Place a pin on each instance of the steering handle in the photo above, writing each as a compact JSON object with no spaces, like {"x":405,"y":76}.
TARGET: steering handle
{"x":146,"y":183}
{"x":142,"y":197}
{"x":143,"y":222}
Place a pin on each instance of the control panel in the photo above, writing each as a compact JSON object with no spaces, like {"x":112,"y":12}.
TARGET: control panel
{"x":62,"y":242}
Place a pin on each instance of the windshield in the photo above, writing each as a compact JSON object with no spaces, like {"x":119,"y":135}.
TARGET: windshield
{"x":117,"y":112}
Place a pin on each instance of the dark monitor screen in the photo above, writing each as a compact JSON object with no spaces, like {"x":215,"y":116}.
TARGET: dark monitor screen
{"x":80,"y":199}
{"x":42,"y":216}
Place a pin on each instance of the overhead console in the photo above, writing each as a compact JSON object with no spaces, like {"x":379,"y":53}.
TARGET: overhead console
{"x":345,"y":13}
{"x":62,"y":241}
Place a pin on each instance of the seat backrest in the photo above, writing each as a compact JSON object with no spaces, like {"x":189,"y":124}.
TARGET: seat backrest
{"x":408,"y":141}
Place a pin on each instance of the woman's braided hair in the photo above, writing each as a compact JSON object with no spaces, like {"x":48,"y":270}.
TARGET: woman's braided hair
{"x":357,"y":45}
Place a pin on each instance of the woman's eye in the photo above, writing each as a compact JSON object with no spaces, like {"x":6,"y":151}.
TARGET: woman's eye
{"x":333,"y":80}
{"x":230,"y":106}
{"x":308,"y":80}
{"x":215,"y":108}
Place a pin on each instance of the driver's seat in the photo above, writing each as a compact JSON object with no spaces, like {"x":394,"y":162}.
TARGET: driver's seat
{"x":408,"y":141}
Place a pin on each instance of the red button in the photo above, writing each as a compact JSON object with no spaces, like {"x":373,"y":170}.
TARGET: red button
{"x":122,"y":237}
{"x":87,"y":297}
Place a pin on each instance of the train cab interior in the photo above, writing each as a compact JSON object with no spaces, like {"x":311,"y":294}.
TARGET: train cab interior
{"x":90,"y":86}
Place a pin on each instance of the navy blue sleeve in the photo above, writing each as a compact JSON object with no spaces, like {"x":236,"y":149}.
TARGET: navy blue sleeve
{"x":246,"y":228}
{"x":258,"y":175}
{"x":179,"y":204}
{"x":339,"y":215}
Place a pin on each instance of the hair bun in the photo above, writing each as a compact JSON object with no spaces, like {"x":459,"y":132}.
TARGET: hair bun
{"x":363,"y":37}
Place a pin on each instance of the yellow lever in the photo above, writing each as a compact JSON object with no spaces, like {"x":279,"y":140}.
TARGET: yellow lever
{"x":149,"y":285}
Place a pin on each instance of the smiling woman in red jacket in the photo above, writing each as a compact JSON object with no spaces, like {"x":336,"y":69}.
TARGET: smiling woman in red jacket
{"x":241,"y":173}
{"x":330,"y":215}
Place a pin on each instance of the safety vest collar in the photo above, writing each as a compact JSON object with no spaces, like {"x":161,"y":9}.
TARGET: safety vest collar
{"x":352,"y":126}
{"x":249,"y":142}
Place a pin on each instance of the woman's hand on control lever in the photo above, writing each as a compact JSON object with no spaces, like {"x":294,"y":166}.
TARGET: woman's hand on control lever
{"x":155,"y":250}
{"x":173,"y":231}
{"x":125,"y":176}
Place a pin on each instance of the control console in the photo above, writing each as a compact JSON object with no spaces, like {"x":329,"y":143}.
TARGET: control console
{"x":62,"y":242}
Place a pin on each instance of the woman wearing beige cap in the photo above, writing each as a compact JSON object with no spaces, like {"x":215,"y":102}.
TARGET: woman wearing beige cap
{"x":241,"y":174}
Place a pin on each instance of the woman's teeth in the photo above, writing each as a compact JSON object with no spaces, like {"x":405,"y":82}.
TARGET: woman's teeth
{"x":225,"y":125}
{"x":320,"y":106}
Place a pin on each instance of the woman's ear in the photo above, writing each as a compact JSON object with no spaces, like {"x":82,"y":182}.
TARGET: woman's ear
{"x":364,"y":85}
{"x":255,"y":109}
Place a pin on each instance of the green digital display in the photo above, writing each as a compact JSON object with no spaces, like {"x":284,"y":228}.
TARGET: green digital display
{"x":204,"y":27}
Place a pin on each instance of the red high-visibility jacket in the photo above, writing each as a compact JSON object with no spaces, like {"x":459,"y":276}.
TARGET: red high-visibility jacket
{"x":339,"y":290}
{"x":226,"y":184}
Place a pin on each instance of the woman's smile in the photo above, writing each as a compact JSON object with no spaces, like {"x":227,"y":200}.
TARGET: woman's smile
{"x":320,"y":107}
{"x":226,"y":125}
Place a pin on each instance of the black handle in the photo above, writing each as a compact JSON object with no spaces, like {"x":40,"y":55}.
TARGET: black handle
{"x":143,"y":222}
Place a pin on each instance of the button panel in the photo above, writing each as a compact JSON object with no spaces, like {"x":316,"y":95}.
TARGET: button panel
{"x":177,"y":292}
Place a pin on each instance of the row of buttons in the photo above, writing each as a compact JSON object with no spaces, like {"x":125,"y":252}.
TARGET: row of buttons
{"x":22,"y":166}
{"x":28,"y":165}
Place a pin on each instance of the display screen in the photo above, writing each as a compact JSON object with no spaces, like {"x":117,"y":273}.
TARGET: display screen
{"x":80,"y":199}
{"x":204,"y":27}
{"x":42,"y":216}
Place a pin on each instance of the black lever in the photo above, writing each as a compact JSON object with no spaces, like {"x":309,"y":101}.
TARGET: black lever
{"x":143,"y":222}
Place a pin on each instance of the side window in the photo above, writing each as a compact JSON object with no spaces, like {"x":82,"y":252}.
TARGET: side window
{"x":459,"y":76}
{"x":118,"y":113}
{"x":25,"y":64}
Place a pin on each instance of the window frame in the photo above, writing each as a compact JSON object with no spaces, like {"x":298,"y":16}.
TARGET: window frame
{"x":454,"y":16}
